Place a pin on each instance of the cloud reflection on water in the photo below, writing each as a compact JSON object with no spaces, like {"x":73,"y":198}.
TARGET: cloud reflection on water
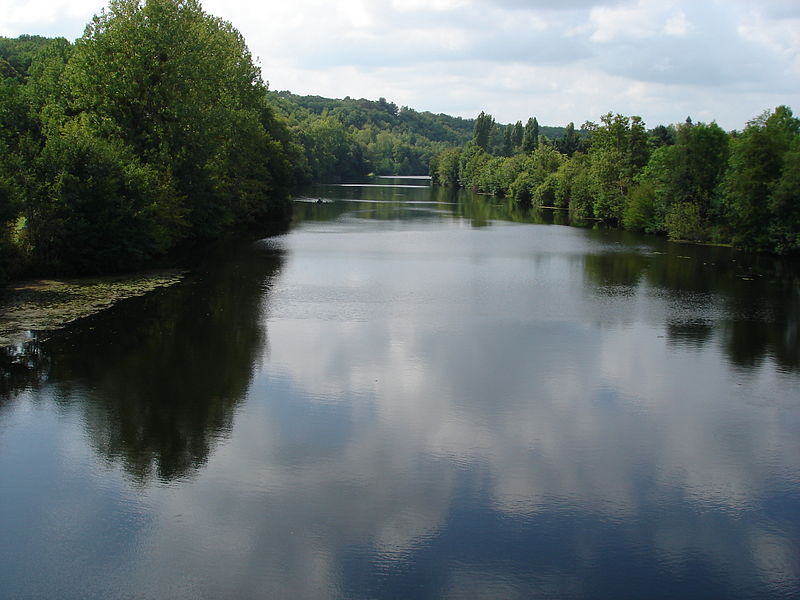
{"x":440,"y":411}
{"x":376,"y":423}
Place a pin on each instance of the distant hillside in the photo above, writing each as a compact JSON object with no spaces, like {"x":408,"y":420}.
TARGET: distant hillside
{"x":387,"y":139}
{"x":387,"y":116}
{"x":381,"y":113}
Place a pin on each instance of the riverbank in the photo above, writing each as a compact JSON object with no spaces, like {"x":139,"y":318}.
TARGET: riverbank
{"x":40,"y":305}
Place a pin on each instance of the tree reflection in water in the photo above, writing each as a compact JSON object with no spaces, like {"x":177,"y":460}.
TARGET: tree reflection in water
{"x":159,"y":378}
{"x":751,"y":302}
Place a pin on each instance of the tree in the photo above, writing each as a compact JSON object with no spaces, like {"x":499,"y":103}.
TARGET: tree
{"x":177,"y":85}
{"x":541,"y":163}
{"x":530,"y":139}
{"x":517,"y":135}
{"x":618,"y":152}
{"x":508,"y":144}
{"x":638,"y":150}
{"x":482,"y":132}
{"x":648,"y":202}
{"x":96,"y":207}
{"x":677,"y":189}
{"x":570,"y":141}
{"x":471,"y":162}
{"x":610,"y":183}
{"x":446,"y":172}
{"x":784,"y":204}
{"x":700,"y":159}
{"x":757,"y":191}
{"x":331,"y":151}
{"x":661,"y":136}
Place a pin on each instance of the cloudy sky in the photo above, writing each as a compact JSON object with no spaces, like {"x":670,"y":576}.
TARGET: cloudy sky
{"x":558,"y":60}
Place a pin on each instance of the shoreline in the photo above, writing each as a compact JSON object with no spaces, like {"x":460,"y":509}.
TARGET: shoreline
{"x":29,"y":307}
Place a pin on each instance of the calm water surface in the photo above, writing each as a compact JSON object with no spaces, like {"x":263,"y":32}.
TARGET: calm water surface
{"x":415,"y":394}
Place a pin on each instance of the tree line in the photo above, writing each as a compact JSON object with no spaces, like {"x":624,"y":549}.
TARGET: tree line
{"x":155,"y":129}
{"x":691,"y":181}
{"x":151,"y":129}
{"x":350,"y":138}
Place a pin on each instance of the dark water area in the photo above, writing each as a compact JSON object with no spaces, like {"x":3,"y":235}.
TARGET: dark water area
{"x":416,"y":393}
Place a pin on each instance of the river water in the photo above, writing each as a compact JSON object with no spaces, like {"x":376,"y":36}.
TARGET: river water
{"x":416,"y":394}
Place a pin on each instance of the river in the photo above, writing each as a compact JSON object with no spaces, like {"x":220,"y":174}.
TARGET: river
{"x":415,"y":393}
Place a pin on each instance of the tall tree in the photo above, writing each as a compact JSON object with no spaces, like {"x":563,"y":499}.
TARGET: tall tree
{"x":482,"y":132}
{"x":508,"y":144}
{"x":180,"y":88}
{"x":530,"y":139}
{"x":517,"y":135}
{"x":758,"y":188}
{"x":569,"y":142}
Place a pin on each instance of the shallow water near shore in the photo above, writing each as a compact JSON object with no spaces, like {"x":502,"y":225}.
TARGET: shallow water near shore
{"x":38,"y":305}
{"x":415,"y":394}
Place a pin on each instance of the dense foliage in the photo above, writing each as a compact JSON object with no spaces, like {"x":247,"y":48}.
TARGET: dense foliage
{"x":153,"y":128}
{"x":349,"y":138}
{"x":691,"y":181}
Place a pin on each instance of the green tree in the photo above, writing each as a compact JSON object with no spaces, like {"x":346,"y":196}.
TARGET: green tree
{"x":684,"y":222}
{"x":684,"y":174}
{"x":757,"y":190}
{"x":516,"y":136}
{"x":569,"y":142}
{"x":96,"y":207}
{"x":661,"y":136}
{"x":471,"y":163}
{"x":610,"y":183}
{"x":484,"y":125}
{"x":618,"y":152}
{"x":541,"y":163}
{"x":530,"y":139}
{"x":177,"y":85}
{"x":641,"y":210}
{"x":332,"y":152}
{"x":638,"y":150}
{"x":784,"y":204}
{"x":508,"y":144}
{"x":447,"y":167}
{"x":568,"y":181}
{"x":699,"y":163}
{"x":648,"y":202}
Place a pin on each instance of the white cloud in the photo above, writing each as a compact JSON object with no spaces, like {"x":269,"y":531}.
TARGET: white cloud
{"x":677,"y":25}
{"x":559,"y":60}
{"x":611,"y":23}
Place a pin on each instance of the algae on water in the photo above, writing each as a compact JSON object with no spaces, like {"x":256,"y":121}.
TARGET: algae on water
{"x":50,"y":304}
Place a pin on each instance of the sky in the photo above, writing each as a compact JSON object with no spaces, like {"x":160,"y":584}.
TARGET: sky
{"x":558,"y":60}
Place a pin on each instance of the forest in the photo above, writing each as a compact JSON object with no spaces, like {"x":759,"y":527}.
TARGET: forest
{"x":692,"y":181}
{"x":155,"y":129}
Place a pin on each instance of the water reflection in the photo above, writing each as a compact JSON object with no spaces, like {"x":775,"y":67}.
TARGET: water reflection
{"x":388,"y":203}
{"x":457,"y":401}
{"x":566,"y":437}
{"x":158,"y":379}
{"x":752,"y":303}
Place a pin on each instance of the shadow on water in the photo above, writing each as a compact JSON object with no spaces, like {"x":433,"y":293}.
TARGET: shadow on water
{"x":158,"y":378}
